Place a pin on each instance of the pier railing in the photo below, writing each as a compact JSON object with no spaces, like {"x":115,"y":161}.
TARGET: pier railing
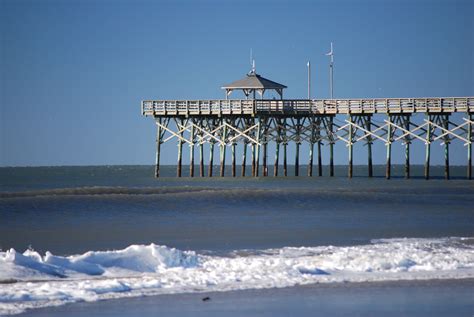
{"x":305,"y":107}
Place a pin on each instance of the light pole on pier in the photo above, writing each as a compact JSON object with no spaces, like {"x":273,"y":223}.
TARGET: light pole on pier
{"x":331,"y":72}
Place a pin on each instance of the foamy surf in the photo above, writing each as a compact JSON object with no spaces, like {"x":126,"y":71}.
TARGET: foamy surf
{"x":36,"y":280}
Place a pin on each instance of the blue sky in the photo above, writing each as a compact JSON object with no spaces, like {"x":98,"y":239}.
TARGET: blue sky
{"x":73,"y":73}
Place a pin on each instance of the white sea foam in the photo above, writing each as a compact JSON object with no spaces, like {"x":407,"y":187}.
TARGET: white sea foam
{"x":47,"y":280}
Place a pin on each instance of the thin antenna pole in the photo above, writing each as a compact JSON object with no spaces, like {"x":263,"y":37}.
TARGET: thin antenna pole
{"x":331,"y":72}
{"x":309,"y":79}
{"x":332,"y":80}
{"x":331,"y":89}
{"x":251,"y":57}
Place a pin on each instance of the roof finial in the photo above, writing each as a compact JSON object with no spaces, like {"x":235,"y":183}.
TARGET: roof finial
{"x":253,"y":66}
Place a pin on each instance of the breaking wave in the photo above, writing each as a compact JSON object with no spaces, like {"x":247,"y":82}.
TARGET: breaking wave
{"x":99,"y":190}
{"x":31,"y":280}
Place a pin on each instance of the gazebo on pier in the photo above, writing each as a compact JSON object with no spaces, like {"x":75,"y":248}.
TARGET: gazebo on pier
{"x":252,"y":83}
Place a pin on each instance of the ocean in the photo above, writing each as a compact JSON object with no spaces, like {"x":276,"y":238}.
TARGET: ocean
{"x":80,"y":235}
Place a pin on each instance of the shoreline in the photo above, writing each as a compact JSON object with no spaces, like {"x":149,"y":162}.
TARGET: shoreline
{"x":413,"y":298}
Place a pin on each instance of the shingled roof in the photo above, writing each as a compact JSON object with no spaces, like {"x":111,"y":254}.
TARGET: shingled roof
{"x":252,"y":83}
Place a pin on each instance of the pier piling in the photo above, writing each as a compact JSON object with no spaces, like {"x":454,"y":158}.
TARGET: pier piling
{"x":388,"y":169}
{"x":201,"y":159}
{"x":350,"y":136}
{"x":446,"y":148}
{"x":244,"y":158}
{"x":277,"y":153}
{"x":257,"y":149}
{"x":222,"y":152}
{"x":320,"y":160}
{"x":158,"y":148}
{"x":211,"y":158}
{"x":254,"y":169}
{"x":264,"y":160}
{"x":470,"y":127}
{"x":297,"y":159}
{"x":427,"y":151}
{"x":233,"y":160}
{"x":331,"y":147}
{"x":407,"y":148}
{"x":180,"y":153}
{"x":369,"y":146}
{"x":191,"y":153}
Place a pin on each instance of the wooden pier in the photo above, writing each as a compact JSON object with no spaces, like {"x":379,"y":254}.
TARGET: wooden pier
{"x":257,"y":122}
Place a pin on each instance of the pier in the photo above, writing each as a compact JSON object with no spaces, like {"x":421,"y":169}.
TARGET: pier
{"x":254,"y":123}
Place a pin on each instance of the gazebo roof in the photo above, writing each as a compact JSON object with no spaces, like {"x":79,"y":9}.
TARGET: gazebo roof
{"x":254,"y":81}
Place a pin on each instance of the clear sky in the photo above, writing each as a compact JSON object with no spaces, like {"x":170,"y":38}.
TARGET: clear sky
{"x":73,"y":73}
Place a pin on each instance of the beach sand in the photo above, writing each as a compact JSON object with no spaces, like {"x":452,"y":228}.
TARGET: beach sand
{"x":402,"y":298}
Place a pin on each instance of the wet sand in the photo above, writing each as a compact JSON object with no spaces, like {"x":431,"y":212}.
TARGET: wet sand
{"x":403,"y":298}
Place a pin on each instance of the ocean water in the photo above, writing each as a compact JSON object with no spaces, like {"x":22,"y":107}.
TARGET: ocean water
{"x":74,"y":234}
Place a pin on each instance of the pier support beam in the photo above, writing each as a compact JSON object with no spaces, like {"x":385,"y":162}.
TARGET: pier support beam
{"x":257,"y":149}
{"x":277,"y":154}
{"x":297,"y":148}
{"x":388,"y":169}
{"x":180,"y":155}
{"x":407,"y":160}
{"x":264,"y":131}
{"x":320,"y":160}
{"x":427,"y":151}
{"x":331,"y":147}
{"x":222,"y":151}
{"x":191,"y":153}
{"x":470,"y":127}
{"x":264,"y":159}
{"x":446,"y":147}
{"x":407,"y":149}
{"x":211,"y":158}
{"x":368,"y":126}
{"x":233,"y":160}
{"x":310,"y":162}
{"x":244,"y":158}
{"x":314,"y":137}
{"x":180,"y":152}
{"x":159,"y":138}
{"x":278,"y":140}
{"x":297,"y":159}
{"x":201,"y":159}
{"x":285,"y":167}
{"x":254,"y":169}
{"x":350,"y":147}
